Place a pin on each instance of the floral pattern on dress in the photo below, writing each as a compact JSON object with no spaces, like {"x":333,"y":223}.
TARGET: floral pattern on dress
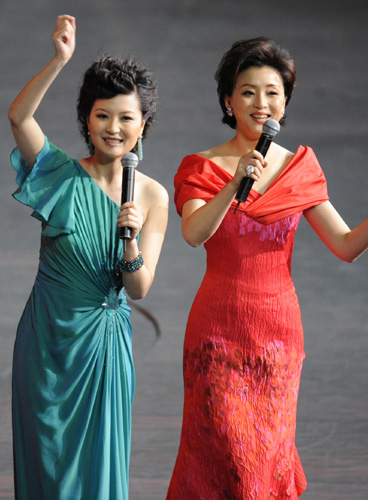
{"x":232,"y":395}
{"x":279,"y":231}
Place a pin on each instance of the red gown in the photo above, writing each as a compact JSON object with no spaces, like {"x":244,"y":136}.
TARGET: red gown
{"x":243,"y":348}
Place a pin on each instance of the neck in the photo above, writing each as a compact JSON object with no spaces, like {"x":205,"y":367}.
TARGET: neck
{"x":240,"y":145}
{"x":102,"y":167}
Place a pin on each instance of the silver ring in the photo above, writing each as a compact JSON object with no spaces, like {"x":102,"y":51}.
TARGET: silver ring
{"x":250,"y":169}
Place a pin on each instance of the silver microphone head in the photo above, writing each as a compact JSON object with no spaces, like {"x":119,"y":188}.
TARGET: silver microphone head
{"x":129,"y":160}
{"x":271,"y":127}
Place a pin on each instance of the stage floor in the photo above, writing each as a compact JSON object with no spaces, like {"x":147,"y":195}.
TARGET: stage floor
{"x":183,"y":41}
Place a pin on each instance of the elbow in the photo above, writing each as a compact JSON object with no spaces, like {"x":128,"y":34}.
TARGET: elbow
{"x":191,"y":239}
{"x":17,"y":117}
{"x":347,"y":252}
{"x":138,"y":294}
{"x":347,"y":257}
{"x":139,"y":290}
{"x":350,"y":254}
{"x":12,"y":116}
{"x":192,"y":243}
{"x":350,"y":259}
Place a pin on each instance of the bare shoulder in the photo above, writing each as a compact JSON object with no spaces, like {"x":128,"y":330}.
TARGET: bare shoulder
{"x":216,"y":152}
{"x":278,"y":157}
{"x":284,"y":154}
{"x":223,"y":156}
{"x":151,"y":192}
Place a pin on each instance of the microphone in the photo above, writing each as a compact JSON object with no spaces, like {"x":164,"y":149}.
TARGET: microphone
{"x":129,"y":163}
{"x":270,"y":129}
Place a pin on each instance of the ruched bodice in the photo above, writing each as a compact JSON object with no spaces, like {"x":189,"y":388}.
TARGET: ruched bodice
{"x":243,"y":347}
{"x":73,"y":377}
{"x":262,"y":264}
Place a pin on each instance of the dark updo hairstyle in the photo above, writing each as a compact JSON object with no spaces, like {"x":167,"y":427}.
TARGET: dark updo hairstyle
{"x":110,"y":76}
{"x":244,"y":54}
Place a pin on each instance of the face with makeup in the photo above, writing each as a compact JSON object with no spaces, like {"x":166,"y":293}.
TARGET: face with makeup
{"x":257,"y":96}
{"x":115,"y":125}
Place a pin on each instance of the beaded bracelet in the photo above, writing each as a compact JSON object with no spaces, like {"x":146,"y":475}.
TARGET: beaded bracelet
{"x":131,"y":266}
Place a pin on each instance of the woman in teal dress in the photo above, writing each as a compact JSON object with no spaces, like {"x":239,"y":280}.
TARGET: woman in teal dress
{"x":73,"y":373}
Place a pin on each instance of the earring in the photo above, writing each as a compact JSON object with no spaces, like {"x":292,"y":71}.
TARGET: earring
{"x":140,"y":149}
{"x":229,"y":111}
{"x":283,"y":113}
{"x":89,"y":142}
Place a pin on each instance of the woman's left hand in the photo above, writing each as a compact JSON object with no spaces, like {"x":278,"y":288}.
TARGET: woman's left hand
{"x":130,"y":216}
{"x":63,"y":37}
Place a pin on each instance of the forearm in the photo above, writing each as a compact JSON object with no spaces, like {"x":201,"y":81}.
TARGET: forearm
{"x":201,"y":220}
{"x":26,"y":103}
{"x":27,"y":133}
{"x":138,"y":282}
{"x":346,"y":244}
{"x":151,"y":236}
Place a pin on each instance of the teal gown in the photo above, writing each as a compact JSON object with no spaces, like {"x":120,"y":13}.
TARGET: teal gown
{"x":73,"y":373}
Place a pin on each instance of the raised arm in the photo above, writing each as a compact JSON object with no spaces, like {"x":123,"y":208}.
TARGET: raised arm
{"x":346,"y":244}
{"x":27,"y":133}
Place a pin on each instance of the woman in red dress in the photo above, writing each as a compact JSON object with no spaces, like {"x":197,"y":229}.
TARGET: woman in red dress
{"x":243,"y":349}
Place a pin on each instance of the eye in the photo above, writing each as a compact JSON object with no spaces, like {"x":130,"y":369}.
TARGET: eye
{"x":248,"y":92}
{"x":101,"y":115}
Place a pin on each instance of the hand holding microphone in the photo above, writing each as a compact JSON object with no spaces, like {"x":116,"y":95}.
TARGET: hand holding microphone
{"x":270,"y":129}
{"x":129,"y":163}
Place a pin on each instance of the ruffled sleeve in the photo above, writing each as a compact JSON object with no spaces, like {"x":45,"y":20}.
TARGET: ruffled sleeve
{"x":48,"y":188}
{"x":301,"y":185}
{"x":198,"y":177}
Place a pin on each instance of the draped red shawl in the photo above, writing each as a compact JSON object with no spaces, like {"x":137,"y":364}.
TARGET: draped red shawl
{"x":299,"y":186}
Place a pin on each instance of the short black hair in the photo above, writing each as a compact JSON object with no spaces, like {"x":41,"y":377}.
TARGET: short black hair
{"x":110,"y":76}
{"x":244,"y":54}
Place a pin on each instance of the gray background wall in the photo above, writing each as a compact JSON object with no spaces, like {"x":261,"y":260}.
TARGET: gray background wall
{"x":183,"y":41}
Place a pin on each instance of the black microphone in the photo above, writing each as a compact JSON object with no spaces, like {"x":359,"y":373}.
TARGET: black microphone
{"x":270,"y":129}
{"x":129,"y":163}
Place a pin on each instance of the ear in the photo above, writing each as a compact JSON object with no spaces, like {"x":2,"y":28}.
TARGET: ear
{"x":142,"y":126}
{"x":227,"y":101}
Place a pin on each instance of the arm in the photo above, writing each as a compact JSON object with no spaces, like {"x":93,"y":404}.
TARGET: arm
{"x":151,"y":238}
{"x":200,"y":220}
{"x":27,"y":133}
{"x":346,"y":244}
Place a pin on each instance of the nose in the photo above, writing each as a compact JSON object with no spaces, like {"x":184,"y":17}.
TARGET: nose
{"x":112,"y":126}
{"x":260,"y":101}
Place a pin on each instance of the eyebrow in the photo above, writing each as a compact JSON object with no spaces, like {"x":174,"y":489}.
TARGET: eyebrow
{"x":122,"y":112}
{"x":254,"y":86}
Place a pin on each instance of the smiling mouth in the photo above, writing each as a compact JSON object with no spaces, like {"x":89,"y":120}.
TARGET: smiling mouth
{"x":112,"y":141}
